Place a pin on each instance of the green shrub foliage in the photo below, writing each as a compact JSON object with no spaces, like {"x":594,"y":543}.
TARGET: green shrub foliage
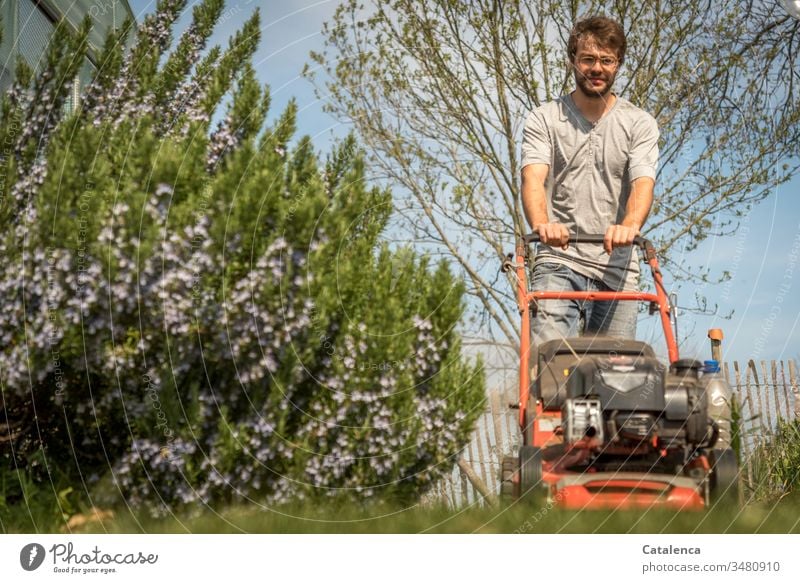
{"x":202,"y":312}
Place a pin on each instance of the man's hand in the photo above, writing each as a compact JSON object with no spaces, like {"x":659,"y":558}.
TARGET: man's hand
{"x":619,"y":236}
{"x":553,"y":234}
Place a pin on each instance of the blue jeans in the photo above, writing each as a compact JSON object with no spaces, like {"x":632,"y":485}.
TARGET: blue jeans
{"x":570,"y":318}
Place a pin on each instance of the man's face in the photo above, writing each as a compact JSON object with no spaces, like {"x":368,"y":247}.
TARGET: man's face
{"x":595,"y":68}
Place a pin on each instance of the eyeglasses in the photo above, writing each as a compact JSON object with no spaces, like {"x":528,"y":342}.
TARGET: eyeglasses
{"x":606,"y":62}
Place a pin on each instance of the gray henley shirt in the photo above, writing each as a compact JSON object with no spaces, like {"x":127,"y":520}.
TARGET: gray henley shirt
{"x":591,"y":169}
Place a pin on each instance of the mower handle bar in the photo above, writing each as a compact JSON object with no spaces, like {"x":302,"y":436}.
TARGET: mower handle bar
{"x":583,"y":238}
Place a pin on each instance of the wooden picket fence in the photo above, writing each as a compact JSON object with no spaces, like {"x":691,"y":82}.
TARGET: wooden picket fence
{"x":765,"y":392}
{"x":496,"y":435}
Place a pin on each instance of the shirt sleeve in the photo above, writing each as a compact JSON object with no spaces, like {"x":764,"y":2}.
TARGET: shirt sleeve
{"x":536,"y":145}
{"x":644,"y":149}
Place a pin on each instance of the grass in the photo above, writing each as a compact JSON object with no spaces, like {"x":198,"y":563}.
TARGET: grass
{"x":782,"y":517}
{"x":775,"y":464}
{"x":773,"y":506}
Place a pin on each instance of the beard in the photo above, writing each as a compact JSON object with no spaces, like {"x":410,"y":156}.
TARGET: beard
{"x":585,"y":85}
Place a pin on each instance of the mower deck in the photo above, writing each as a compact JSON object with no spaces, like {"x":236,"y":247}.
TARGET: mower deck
{"x":623,"y":490}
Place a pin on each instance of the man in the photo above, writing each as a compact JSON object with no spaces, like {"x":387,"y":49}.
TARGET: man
{"x":589,"y":166}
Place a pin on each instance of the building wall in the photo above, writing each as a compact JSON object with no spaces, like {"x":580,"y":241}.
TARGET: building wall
{"x":27,"y":26}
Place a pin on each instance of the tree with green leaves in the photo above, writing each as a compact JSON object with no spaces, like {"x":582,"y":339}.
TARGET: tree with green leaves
{"x":439,"y":92}
{"x":198,"y":313}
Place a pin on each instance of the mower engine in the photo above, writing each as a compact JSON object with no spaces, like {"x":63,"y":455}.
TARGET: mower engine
{"x":634,"y":401}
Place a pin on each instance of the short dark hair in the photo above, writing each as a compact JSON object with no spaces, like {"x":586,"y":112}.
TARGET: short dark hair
{"x":606,"y":31}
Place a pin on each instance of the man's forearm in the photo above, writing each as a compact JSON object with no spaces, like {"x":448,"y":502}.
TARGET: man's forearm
{"x":534,"y":204}
{"x":639,"y":203}
{"x":636,"y":211}
{"x":534,"y":198}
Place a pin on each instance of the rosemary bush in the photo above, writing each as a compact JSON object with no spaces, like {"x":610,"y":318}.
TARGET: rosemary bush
{"x":199,"y":312}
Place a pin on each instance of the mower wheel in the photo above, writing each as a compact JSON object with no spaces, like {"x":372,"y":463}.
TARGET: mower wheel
{"x":508,"y":489}
{"x":724,"y":474}
{"x":530,"y":470}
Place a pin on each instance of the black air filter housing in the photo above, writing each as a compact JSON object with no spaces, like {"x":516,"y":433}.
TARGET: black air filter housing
{"x":622,"y":383}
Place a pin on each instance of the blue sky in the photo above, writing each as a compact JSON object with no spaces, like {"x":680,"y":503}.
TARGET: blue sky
{"x":763,"y":257}
{"x":290,"y":29}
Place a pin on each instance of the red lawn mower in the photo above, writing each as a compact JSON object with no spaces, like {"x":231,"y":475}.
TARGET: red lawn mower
{"x":604,"y":423}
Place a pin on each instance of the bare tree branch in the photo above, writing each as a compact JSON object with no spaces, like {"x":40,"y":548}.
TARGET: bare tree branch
{"x":439,"y":91}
